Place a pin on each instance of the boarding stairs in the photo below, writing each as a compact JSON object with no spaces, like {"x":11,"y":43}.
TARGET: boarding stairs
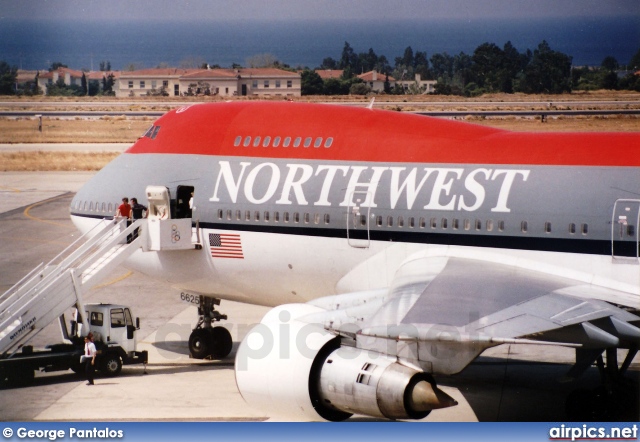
{"x":50,"y":289}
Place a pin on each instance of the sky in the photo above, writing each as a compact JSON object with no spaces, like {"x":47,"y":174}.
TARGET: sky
{"x":270,"y":10}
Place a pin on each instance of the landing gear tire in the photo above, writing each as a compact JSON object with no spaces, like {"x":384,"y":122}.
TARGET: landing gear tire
{"x":200,"y":343}
{"x":221,"y":342}
{"x":111,"y":365}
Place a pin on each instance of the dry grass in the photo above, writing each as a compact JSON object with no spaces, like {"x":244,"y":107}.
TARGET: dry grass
{"x":54,"y":161}
{"x":81,"y":130}
{"x":617,"y":123}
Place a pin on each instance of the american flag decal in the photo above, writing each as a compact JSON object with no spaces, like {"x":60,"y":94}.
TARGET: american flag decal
{"x":225,"y":245}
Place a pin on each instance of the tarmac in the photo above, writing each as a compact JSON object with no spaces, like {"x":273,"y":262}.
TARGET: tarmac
{"x":507,"y":383}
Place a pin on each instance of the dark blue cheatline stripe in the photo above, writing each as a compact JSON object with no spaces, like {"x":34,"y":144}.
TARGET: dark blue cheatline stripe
{"x":563,"y":245}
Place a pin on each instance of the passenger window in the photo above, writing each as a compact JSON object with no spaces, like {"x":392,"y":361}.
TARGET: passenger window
{"x":247,"y":215}
{"x":434,"y":223}
{"x":467,"y":224}
{"x":266,"y":217}
{"x":256,"y":216}
{"x":307,"y":142}
{"x":267,"y":141}
{"x":478,"y":225}
{"x":379,"y":221}
{"x":256,"y":142}
{"x":501,"y":226}
{"x":287,"y":141}
{"x":307,"y":218}
{"x":423,"y":223}
{"x":228,"y":215}
{"x":524,"y":227}
{"x":316,"y":218}
{"x":585,"y":229}
{"x":329,"y":142}
{"x":286,"y":217}
{"x":400,"y":221}
{"x":247,"y":141}
{"x":490,"y":225}
{"x":238,"y":141}
{"x":220,"y":213}
{"x":547,"y":227}
{"x":318,"y":142}
{"x":572,"y":228}
{"x":455,"y":224}
{"x":296,"y":217}
{"x":276,"y":216}
{"x":444,"y":223}
{"x":389,"y":221}
{"x":327,"y":219}
{"x":238,"y":215}
{"x":276,"y":142}
{"x":297,"y":141}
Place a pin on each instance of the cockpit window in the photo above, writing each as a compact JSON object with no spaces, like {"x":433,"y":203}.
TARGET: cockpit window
{"x":148,"y":132}
{"x":155,"y":132}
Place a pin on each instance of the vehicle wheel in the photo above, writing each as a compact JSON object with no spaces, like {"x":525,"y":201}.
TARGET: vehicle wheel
{"x":200,"y":343}
{"x":221,"y":342}
{"x":111,"y":364}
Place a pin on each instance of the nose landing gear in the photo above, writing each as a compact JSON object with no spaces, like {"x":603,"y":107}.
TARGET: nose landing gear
{"x":206,"y":341}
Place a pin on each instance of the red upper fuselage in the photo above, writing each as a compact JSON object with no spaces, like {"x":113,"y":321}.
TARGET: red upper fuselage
{"x":375,"y":136}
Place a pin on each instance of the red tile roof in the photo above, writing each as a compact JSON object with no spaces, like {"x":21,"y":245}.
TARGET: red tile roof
{"x":325,"y":74}
{"x":368,"y":76}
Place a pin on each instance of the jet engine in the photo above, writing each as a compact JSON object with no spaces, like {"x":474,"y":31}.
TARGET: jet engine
{"x":299,"y":370}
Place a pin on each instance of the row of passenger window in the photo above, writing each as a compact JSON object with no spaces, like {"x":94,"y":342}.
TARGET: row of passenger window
{"x":389,"y":221}
{"x":285,"y":142}
{"x":295,"y":217}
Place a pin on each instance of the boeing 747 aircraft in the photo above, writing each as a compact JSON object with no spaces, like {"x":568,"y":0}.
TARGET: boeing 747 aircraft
{"x":392,"y":247}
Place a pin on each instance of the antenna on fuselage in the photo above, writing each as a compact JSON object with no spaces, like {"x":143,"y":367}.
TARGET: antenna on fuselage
{"x":370,"y":106}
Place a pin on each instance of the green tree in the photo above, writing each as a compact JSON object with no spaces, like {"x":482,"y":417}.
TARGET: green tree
{"x":83,"y":84}
{"x":634,"y":63}
{"x":359,"y":89}
{"x":348,"y":59}
{"x":548,"y":72}
{"x":610,"y":63}
{"x":329,"y":63}
{"x":8,"y":75}
{"x":311,"y":83}
{"x":57,"y":65}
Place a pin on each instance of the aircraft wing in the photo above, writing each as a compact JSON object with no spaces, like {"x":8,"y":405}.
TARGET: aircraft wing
{"x":441,"y":312}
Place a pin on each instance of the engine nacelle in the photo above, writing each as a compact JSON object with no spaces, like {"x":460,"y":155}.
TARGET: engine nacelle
{"x":299,"y":370}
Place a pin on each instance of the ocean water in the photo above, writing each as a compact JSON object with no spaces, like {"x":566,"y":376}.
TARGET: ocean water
{"x":36,"y":44}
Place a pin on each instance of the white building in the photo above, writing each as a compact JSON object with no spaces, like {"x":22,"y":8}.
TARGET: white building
{"x":223,"y":82}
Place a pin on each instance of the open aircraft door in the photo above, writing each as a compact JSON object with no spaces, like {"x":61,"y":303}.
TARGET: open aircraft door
{"x":624,"y":230}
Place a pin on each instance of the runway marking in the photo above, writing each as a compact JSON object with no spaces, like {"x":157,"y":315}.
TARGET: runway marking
{"x":34,"y":218}
{"x":13,"y":189}
{"x":113,"y":281}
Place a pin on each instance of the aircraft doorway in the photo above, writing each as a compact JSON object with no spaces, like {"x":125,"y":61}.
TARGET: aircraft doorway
{"x":358,"y":220}
{"x":624,"y":229}
{"x":184,"y":202}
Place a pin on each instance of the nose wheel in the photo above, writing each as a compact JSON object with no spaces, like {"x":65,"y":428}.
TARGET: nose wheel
{"x":206,"y":341}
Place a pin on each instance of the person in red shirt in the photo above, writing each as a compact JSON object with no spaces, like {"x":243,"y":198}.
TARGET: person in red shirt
{"x":124,"y":209}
